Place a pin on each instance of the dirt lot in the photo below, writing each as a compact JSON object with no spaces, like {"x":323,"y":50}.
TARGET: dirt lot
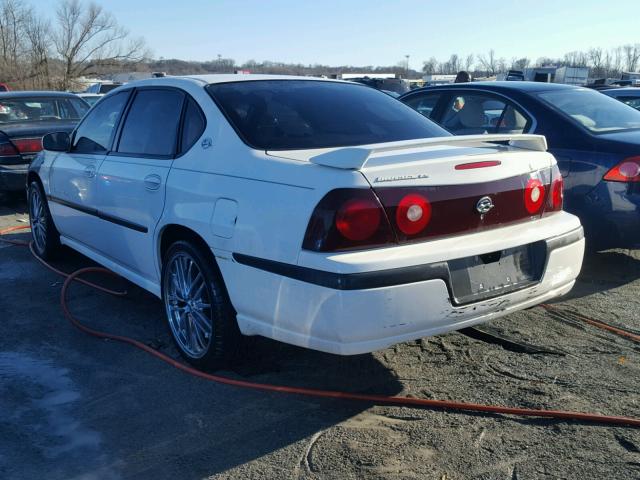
{"x":72,"y":406}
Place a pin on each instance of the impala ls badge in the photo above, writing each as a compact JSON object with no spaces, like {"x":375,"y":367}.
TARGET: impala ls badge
{"x":484,"y":205}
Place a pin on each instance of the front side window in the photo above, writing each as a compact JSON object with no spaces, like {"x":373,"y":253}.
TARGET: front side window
{"x":592,"y":110}
{"x":304,"y":114}
{"x":95,"y":133}
{"x":151,"y":126}
{"x":423,"y":103}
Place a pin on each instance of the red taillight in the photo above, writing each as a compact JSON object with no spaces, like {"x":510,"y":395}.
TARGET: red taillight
{"x":557,"y":194}
{"x":413,"y":213}
{"x":7,"y":149}
{"x":28,"y":145}
{"x":533,"y":196}
{"x":626,"y":171}
{"x":347,"y":219}
{"x":358,"y":219}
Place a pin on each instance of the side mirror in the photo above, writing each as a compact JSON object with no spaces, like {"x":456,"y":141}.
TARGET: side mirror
{"x":56,"y":142}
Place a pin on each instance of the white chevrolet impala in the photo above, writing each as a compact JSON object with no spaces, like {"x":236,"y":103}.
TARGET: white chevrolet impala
{"x":320,"y":213}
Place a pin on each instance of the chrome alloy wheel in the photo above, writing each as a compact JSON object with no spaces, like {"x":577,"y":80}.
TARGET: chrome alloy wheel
{"x":186,"y":300}
{"x":38,"y":220}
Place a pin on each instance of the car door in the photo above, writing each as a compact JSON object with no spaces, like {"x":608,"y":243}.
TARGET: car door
{"x":132,"y":178}
{"x":73,"y":175}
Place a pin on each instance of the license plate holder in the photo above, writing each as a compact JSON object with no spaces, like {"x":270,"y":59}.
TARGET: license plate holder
{"x":480,"y":277}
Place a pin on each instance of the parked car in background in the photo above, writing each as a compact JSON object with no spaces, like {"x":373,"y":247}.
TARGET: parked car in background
{"x":249,"y":205}
{"x":25,"y":117}
{"x":595,"y":139}
{"x":102,"y":87}
{"x":4,"y":87}
{"x":628,"y":95}
{"x":90,"y":98}
{"x":397,"y":85}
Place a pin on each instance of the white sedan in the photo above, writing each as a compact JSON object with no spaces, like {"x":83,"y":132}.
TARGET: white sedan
{"x":320,"y":213}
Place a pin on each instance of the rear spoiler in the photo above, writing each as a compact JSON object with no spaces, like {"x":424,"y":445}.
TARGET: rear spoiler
{"x":354,"y":158}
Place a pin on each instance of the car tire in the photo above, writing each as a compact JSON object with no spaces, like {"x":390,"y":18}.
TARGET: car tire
{"x":193,"y":292}
{"x":45,"y":236}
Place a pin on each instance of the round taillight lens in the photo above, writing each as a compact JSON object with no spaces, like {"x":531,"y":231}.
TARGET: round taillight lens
{"x":358,"y":219}
{"x":533,"y":195}
{"x":413,"y":214}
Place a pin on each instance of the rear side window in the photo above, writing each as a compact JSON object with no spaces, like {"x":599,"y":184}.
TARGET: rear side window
{"x":151,"y":126}
{"x":95,"y":133}
{"x":193,"y":127}
{"x":302,"y":114}
{"x":423,"y":104}
{"x":477,"y":113}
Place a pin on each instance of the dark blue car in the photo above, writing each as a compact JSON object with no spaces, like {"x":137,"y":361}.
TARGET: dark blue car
{"x":595,"y":139}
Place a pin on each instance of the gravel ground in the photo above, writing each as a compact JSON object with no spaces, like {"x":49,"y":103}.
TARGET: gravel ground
{"x":72,"y":406}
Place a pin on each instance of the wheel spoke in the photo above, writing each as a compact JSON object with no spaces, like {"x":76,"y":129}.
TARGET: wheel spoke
{"x":188,"y":306}
{"x":201,"y":322}
{"x":198,"y":284}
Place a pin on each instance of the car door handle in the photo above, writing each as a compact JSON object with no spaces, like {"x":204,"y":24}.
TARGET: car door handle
{"x":90,"y":171}
{"x":152,"y":182}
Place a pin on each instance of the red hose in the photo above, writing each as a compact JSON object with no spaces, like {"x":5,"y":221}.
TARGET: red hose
{"x":376,"y":399}
{"x":595,"y":323}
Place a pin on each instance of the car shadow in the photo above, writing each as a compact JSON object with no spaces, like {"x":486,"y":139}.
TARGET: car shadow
{"x":134,"y":416}
{"x":606,"y":270}
{"x":13,"y":203}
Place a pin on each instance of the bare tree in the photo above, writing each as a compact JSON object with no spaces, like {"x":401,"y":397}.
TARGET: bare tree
{"x":38,"y":34}
{"x":13,"y":17}
{"x":489,"y":63}
{"x":631,"y":56}
{"x":595,"y":56}
{"x":520,"y":63}
{"x":468,"y":62}
{"x":88,"y":39}
{"x":430,"y":67}
{"x":575,"y":59}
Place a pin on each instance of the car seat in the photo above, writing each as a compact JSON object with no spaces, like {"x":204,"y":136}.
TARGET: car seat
{"x":472,"y":119}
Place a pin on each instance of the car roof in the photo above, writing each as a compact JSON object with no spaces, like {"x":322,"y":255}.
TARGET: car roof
{"x":34,"y":94}
{"x":614,"y":92}
{"x":525,"y":87}
{"x":203,"y":80}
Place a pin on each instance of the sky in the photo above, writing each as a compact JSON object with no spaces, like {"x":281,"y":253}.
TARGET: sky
{"x":371,"y":32}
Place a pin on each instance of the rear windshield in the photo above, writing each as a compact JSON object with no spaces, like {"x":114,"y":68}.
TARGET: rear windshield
{"x":593,"y":110}
{"x":107,"y":87}
{"x":19,"y":110}
{"x":301,"y":114}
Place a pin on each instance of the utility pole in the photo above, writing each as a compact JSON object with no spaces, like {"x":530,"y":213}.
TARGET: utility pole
{"x":407,"y":57}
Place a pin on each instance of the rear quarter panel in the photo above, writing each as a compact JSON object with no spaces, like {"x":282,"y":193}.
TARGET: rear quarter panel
{"x":273,"y":198}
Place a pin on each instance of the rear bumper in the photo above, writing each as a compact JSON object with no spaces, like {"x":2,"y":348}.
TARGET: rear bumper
{"x":352,"y":313}
{"x":13,"y":178}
